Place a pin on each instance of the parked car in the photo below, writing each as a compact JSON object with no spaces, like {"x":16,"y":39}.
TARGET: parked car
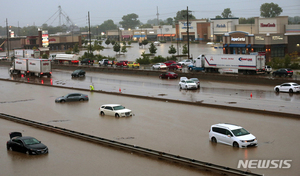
{"x":187,"y":84}
{"x":268,"y":69}
{"x":78,"y":73}
{"x":186,"y":62}
{"x":87,"y":61}
{"x":72,"y":97}
{"x":116,"y":110}
{"x":3,"y":58}
{"x":183,"y":78}
{"x":159,"y":66}
{"x":168,"y":75}
{"x":196,"y":80}
{"x":231,"y":134}
{"x":25,"y":144}
{"x":169,"y":62}
{"x":175,"y":66}
{"x":122,"y":64}
{"x":156,"y":43}
{"x":283,"y":72}
{"x":106,"y":62}
{"x":287,"y":87}
{"x":133,"y":65}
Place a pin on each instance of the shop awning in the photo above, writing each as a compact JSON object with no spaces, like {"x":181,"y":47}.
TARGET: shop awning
{"x":249,"y":46}
{"x":237,"y":45}
{"x":138,"y":36}
{"x":225,"y":45}
{"x":166,"y":35}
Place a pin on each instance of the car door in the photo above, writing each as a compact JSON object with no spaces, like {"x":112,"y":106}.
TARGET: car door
{"x":72,"y":97}
{"x":228,"y":137}
{"x":285,"y":87}
{"x":17,"y":145}
{"x":108,"y":110}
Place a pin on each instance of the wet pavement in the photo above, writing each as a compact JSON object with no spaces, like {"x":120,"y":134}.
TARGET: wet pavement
{"x":170,"y":127}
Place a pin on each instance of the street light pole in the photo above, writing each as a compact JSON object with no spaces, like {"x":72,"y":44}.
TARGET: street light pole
{"x":187,"y":11}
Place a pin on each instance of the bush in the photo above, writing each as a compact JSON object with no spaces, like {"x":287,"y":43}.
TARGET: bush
{"x":145,"y":60}
{"x":158,"y":59}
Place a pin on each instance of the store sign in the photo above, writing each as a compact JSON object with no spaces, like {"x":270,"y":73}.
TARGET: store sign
{"x":259,"y":38}
{"x":185,"y":25}
{"x":45,"y":39}
{"x":238,"y":39}
{"x":267,"y":25}
{"x":276,"y":37}
{"x":220,"y":26}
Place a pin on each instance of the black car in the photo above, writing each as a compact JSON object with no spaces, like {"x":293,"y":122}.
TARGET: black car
{"x":78,"y":73}
{"x":283,"y":72}
{"x":87,"y":61}
{"x":72,"y":97}
{"x":25,"y":144}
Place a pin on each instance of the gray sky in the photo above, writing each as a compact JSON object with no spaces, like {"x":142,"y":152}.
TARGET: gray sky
{"x":37,"y":12}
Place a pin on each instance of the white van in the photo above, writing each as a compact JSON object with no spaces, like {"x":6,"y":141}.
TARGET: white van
{"x":230,"y":134}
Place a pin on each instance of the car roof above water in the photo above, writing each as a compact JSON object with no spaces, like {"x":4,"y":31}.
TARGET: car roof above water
{"x":227,"y":125}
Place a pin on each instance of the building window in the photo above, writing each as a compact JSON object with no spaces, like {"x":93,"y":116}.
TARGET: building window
{"x":277,"y":52}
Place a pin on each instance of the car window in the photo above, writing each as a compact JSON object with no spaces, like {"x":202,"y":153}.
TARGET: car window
{"x":108,"y":108}
{"x":118,"y":107}
{"x":17,"y":141}
{"x":295,"y":84}
{"x":240,"y":132}
{"x":31,"y":141}
{"x":219,"y":130}
{"x":228,"y":133}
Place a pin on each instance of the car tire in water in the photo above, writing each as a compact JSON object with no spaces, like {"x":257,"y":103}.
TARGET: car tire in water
{"x":28,"y":152}
{"x":81,"y":99}
{"x":102,"y":113}
{"x":213,"y":140}
{"x":117,"y":115}
{"x":235,"y":144}
{"x":62,"y":101}
{"x":277,"y":90}
{"x":291,"y":91}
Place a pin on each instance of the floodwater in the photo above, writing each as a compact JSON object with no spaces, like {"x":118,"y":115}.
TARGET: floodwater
{"x":169,"y":127}
{"x":221,"y":93}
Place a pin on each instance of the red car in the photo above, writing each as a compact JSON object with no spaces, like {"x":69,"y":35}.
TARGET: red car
{"x":169,"y":62}
{"x":122,"y":64}
{"x":169,"y":75}
{"x":175,"y":66}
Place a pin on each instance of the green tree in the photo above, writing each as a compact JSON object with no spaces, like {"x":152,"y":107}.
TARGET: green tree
{"x":172,"y":50}
{"x":145,"y":42}
{"x":170,"y":21}
{"x":129,"y":43}
{"x":287,"y":61}
{"x":107,"y":42}
{"x":107,"y":25}
{"x":45,"y":56}
{"x":152,"y":48}
{"x":146,"y":26}
{"x":124,"y":50}
{"x":117,"y":47}
{"x":113,"y":42}
{"x":269,"y":10}
{"x":130,"y":21}
{"x":75,"y":49}
{"x":246,"y":20}
{"x":124,"y":43}
{"x":182,"y":15}
{"x":184,"y":49}
{"x":226,"y":13}
{"x":218,"y":16}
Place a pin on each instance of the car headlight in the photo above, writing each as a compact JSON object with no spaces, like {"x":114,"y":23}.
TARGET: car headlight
{"x":243,"y":141}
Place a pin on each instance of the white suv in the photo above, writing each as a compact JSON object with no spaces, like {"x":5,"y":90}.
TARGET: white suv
{"x":230,"y":134}
{"x":116,"y":110}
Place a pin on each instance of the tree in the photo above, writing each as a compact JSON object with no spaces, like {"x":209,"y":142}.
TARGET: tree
{"x":184,"y":49}
{"x":152,"y":48}
{"x":107,"y":25}
{"x":218,"y":16}
{"x":182,"y":15}
{"x":130,"y":21}
{"x":75,"y":49}
{"x":246,"y":20}
{"x":124,"y":43}
{"x":117,"y":47}
{"x":269,"y":10}
{"x":113,"y":42}
{"x":107,"y":42}
{"x":226,"y":13}
{"x":146,"y":26}
{"x":170,"y":21}
{"x":145,"y":42}
{"x":172,"y":50}
{"x":124,"y":50}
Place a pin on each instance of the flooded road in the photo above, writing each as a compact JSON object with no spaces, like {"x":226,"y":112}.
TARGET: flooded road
{"x":170,"y":127}
{"x":211,"y":92}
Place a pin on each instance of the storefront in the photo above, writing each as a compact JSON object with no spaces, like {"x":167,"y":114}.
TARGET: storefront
{"x":221,"y":26}
{"x":192,"y":26}
{"x":237,"y":42}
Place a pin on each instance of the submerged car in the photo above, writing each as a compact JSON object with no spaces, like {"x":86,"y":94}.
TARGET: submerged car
{"x":72,"y":97}
{"x":287,"y":87}
{"x":187,"y":84}
{"x":159,"y":66}
{"x":78,"y":73}
{"x":231,"y":134}
{"x":196,"y":80}
{"x":25,"y":144}
{"x":116,"y":110}
{"x":168,"y":75}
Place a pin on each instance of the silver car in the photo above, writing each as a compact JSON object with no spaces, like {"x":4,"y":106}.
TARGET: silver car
{"x":72,"y":97}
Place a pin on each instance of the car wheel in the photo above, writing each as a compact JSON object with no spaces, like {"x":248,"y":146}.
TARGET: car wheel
{"x":117,"y":115}
{"x":180,"y":87}
{"x":191,"y":69}
{"x":102,"y":113}
{"x":235,"y":144}
{"x":213,"y":140}
{"x":169,"y":77}
{"x":277,"y":89}
{"x":81,"y":99}
{"x":8,"y":147}
{"x":159,"y":77}
{"x":62,"y":101}
{"x":28,"y":152}
{"x":291,"y":91}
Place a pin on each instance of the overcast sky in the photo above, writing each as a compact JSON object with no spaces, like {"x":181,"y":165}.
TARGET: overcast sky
{"x":38,"y":12}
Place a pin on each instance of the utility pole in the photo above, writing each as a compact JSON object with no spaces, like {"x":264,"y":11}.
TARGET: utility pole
{"x":188,"y":36}
{"x":157,"y":15}
{"x":90,"y":32}
{"x":7,"y":38}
